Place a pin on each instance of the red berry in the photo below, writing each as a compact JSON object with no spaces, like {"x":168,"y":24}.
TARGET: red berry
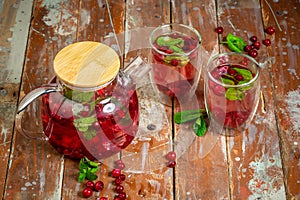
{"x":87,"y":192}
{"x":171,"y":156}
{"x":239,"y":77}
{"x":122,"y":177}
{"x":219,"y":30}
{"x":253,"y":53}
{"x":103,"y":198}
{"x":248,"y":48}
{"x":99,"y":185}
{"x":256,"y":45}
{"x":270,"y":30}
{"x":253,"y":39}
{"x":115,"y":173}
{"x":174,"y":62}
{"x":118,"y":181}
{"x":267,"y":42}
{"x":231,"y":71}
{"x":90,"y":184}
{"x":171,"y":164}
{"x":119,"y":188}
{"x":169,"y":51}
{"x":122,"y":195}
{"x":120,"y":164}
{"x":117,"y":198}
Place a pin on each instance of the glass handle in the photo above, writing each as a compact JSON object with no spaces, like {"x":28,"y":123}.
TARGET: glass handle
{"x":26,"y":101}
{"x":137,"y":69}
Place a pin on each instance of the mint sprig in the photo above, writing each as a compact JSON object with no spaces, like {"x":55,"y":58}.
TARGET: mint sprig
{"x":235,"y":43}
{"x":199,"y":126}
{"x":87,"y":169}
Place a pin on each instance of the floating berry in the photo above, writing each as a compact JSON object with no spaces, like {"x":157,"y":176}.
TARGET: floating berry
{"x":90,"y":184}
{"x":231,"y":72}
{"x":169,"y":51}
{"x":253,"y":53}
{"x":239,"y":77}
{"x":171,"y":156}
{"x":219,"y":30}
{"x":99,"y":185}
{"x":115,"y":173}
{"x":256,"y":45}
{"x":174,"y":62}
{"x":270,"y":30}
{"x":171,"y":164}
{"x":267,"y":42}
{"x":87,"y":192}
{"x":253,"y":39}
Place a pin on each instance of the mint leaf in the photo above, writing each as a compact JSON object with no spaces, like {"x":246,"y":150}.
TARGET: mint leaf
{"x":81,"y":176}
{"x":247,"y":75}
{"x":234,"y":94}
{"x":235,"y":43}
{"x":91,"y":176}
{"x":87,"y":169}
{"x":188,"y":115}
{"x":199,"y":127}
{"x":227,"y":81}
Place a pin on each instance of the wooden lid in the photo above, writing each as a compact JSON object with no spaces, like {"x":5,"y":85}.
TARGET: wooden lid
{"x":86,"y":64}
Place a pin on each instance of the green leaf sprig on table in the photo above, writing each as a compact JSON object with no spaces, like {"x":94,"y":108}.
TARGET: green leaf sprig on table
{"x":87,"y":169}
{"x":199,"y":126}
{"x":235,"y":43}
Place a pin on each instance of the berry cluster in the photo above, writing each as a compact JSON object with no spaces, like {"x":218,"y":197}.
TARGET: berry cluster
{"x":90,"y":187}
{"x":171,"y":157}
{"x":252,"y":49}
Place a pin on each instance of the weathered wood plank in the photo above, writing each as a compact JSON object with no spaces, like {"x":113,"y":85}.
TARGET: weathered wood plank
{"x":202,"y":170}
{"x":36,"y":169}
{"x":14,"y":24}
{"x":254,"y":154}
{"x":284,"y":67}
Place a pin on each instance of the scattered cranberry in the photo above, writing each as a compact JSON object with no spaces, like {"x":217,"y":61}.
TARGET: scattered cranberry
{"x":120,"y":164}
{"x":115,"y":173}
{"x":256,"y":45}
{"x":119,"y":188}
{"x":103,"y":198}
{"x":87,"y":192}
{"x":267,"y":42}
{"x":253,"y":53}
{"x":172,"y":164}
{"x":270,"y":30}
{"x":171,"y":156}
{"x":239,"y":77}
{"x":219,"y":30}
{"x":118,"y":181}
{"x":90,"y":184}
{"x":122,"y":195}
{"x":99,"y":185}
{"x":122,"y":177}
{"x":248,"y":48}
{"x":117,"y":198}
{"x":253,"y":39}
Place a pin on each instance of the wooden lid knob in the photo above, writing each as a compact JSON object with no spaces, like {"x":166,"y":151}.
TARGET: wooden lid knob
{"x":86,"y":64}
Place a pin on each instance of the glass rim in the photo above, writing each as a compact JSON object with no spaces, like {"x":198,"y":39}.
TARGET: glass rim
{"x":228,"y":85}
{"x":181,"y":25}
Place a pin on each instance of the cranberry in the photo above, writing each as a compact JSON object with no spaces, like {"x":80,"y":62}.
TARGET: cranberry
{"x":90,"y":184}
{"x":253,"y":39}
{"x":99,"y":185}
{"x":119,"y":188}
{"x":103,"y":198}
{"x":256,"y":45}
{"x":171,"y":164}
{"x":270,"y":30}
{"x":171,"y":156}
{"x":120,"y":164}
{"x":87,"y":192}
{"x":253,"y":53}
{"x":239,"y":77}
{"x":267,"y":42}
{"x":174,"y":62}
{"x":122,"y":177}
{"x":158,"y":57}
{"x":219,"y":30}
{"x":169,"y":51}
{"x":118,"y":181}
{"x":248,"y":48}
{"x":122,"y":195}
{"x":231,"y":72}
{"x":115,"y":173}
{"x":117,"y":198}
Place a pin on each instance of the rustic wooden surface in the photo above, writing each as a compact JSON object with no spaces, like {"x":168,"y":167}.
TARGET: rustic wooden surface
{"x":260,"y":163}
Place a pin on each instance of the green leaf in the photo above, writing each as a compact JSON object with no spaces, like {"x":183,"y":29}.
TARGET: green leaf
{"x":91,"y":176}
{"x":81,"y":177}
{"x":199,"y":127}
{"x":247,"y":75}
{"x":188,"y":115}
{"x":93,"y":164}
{"x":227,"y":81}
{"x":234,"y":94}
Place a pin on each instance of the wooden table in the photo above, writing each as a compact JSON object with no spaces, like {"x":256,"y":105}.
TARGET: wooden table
{"x":262,"y":162}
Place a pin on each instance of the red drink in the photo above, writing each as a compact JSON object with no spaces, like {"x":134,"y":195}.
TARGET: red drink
{"x":230,"y":98}
{"x":94,"y":124}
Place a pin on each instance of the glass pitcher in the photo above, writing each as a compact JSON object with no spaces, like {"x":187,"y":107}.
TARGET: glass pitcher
{"x":90,"y":108}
